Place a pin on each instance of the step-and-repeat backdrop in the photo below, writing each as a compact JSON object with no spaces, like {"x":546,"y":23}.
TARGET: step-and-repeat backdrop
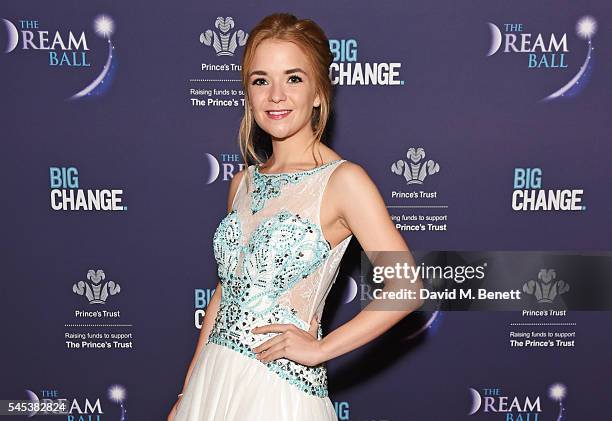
{"x":485,"y":125}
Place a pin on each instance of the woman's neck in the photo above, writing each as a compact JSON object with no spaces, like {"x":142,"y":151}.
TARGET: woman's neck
{"x":295,"y":150}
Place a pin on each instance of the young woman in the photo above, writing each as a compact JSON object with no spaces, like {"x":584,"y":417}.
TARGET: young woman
{"x":261,"y":351}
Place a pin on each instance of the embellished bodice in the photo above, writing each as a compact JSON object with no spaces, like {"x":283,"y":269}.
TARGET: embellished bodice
{"x":274,"y":264}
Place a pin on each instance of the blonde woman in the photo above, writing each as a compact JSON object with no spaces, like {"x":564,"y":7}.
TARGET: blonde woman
{"x":261,"y":351}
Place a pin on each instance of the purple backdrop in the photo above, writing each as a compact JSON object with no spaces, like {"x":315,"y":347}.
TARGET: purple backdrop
{"x":147,"y":108}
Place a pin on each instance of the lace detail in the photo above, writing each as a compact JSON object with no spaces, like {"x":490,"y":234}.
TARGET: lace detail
{"x":274,"y":266}
{"x":268,"y":186}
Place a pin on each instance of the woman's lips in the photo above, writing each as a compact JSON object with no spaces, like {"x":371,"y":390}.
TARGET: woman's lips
{"x":278,"y":114}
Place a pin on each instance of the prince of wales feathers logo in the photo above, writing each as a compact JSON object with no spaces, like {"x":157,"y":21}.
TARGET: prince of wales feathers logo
{"x":224,"y":41}
{"x":546,"y":288}
{"x":413,"y":170}
{"x":94,"y":289}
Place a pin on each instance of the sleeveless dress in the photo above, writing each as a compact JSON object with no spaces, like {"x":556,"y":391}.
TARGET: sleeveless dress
{"x":274,"y":266}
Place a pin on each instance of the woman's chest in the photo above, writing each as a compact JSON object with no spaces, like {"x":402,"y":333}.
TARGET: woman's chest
{"x":267,"y":253}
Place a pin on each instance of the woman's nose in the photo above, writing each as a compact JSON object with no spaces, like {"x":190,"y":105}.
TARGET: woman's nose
{"x":277,"y":93}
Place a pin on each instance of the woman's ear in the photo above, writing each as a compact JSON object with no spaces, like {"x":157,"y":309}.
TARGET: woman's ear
{"x":317,"y":101}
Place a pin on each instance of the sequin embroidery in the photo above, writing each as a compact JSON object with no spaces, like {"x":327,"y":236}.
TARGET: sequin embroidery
{"x":255,"y":270}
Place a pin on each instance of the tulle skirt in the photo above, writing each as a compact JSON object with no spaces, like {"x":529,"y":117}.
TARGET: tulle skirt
{"x":228,"y":386}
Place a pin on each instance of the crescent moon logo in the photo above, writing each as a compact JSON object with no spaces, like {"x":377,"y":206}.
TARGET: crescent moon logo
{"x":213,"y":168}
{"x":496,"y":39}
{"x":34,"y":399}
{"x":351,"y":290}
{"x":13,"y":35}
{"x":476,"y":401}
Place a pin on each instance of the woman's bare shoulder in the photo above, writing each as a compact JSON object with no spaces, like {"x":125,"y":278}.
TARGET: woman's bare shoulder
{"x":350,"y":183}
{"x":348,"y":173}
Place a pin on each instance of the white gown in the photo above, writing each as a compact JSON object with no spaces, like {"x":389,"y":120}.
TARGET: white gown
{"x":274,"y":266}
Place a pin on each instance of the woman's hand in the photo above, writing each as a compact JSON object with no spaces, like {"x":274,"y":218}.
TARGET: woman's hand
{"x":292,"y":343}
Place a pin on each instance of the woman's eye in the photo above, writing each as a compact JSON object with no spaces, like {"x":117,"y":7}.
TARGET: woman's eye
{"x":292,"y":79}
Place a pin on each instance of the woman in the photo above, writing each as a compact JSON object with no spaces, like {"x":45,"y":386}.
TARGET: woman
{"x":261,"y":352}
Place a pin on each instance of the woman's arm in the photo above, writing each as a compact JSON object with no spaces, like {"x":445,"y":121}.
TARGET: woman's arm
{"x":355,"y":198}
{"x":207,"y":325}
{"x":363,"y":211}
{"x":213,"y":305}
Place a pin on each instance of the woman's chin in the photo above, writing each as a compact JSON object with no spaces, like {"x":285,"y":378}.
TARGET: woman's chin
{"x":280,"y":130}
{"x":279,"y":134}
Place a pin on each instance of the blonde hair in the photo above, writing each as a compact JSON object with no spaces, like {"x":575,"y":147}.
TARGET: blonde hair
{"x":307,"y":35}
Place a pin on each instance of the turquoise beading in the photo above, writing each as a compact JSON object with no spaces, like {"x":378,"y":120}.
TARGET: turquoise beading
{"x":280,"y":250}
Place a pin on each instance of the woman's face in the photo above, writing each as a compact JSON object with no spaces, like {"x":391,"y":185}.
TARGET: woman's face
{"x":281,"y":89}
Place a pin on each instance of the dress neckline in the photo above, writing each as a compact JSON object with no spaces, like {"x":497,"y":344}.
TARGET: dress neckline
{"x":296,"y":172}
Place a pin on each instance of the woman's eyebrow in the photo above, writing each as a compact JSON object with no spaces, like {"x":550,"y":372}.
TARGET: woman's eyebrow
{"x":262,"y":73}
{"x":296,"y":70}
